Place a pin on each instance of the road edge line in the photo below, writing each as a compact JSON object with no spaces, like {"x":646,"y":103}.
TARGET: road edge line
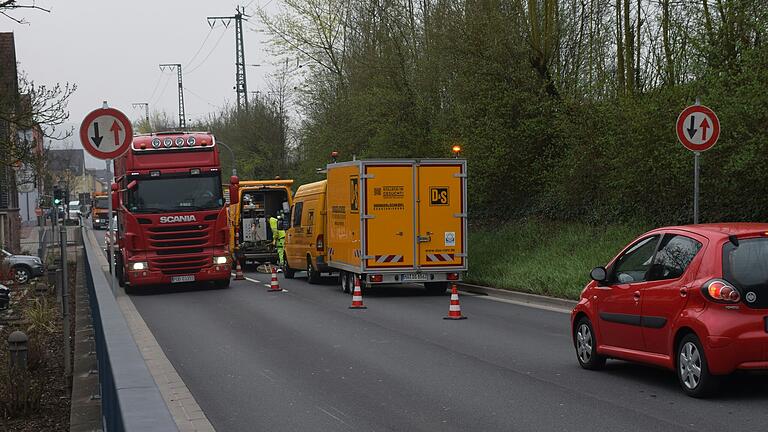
{"x":523,"y":299}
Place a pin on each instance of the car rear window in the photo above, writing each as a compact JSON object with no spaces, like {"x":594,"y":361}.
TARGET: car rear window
{"x":746,"y":267}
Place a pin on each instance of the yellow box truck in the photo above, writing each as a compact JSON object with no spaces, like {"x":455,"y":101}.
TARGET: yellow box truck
{"x":385,"y":221}
{"x":250,"y":234}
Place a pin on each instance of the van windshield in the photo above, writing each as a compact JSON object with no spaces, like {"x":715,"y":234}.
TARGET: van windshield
{"x":746,"y":267}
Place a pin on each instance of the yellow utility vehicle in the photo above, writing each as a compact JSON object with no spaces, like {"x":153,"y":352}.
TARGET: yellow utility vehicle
{"x":384,"y":221}
{"x":250,"y":235}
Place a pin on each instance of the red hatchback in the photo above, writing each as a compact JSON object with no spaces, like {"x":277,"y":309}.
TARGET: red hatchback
{"x":693,"y":299}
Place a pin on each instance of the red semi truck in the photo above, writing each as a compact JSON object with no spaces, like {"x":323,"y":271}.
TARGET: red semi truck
{"x":171,"y":214}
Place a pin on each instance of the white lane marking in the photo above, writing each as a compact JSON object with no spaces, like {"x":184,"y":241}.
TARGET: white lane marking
{"x":520,"y":303}
{"x":331,"y":415}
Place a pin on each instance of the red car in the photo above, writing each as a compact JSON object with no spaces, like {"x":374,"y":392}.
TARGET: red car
{"x":693,"y":299}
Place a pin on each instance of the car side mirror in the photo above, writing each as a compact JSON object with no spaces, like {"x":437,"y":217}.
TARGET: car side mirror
{"x":114,"y":196}
{"x":283,"y":224}
{"x":599,"y":274}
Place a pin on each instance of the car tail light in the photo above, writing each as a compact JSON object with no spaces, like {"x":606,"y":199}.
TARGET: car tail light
{"x":320,"y":243}
{"x":377,"y":278}
{"x":453,"y":276}
{"x":721,"y":291}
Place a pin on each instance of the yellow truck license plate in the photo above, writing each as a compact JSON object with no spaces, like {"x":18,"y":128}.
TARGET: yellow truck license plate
{"x":411,"y":277}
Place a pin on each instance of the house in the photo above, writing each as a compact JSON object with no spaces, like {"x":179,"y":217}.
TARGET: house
{"x":10,"y":222}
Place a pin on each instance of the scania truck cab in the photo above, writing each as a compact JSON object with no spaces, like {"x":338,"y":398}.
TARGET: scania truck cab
{"x":172,"y":218}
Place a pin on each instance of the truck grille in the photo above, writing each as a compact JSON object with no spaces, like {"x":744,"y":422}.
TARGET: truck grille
{"x":185,"y":242}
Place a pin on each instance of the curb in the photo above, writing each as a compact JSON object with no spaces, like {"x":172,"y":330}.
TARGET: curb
{"x":521,"y":297}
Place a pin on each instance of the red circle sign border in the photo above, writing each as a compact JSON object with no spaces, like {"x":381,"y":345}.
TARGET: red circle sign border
{"x":122,"y":118}
{"x":680,"y":126}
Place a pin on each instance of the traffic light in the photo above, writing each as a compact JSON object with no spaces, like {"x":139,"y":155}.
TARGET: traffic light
{"x":58,"y":194}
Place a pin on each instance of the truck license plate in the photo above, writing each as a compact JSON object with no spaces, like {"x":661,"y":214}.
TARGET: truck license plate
{"x":185,"y":278}
{"x":410,"y":277}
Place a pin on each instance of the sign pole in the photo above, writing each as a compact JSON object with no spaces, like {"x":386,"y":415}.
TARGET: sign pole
{"x":696,"y":187}
{"x":696,"y":155}
{"x":110,"y":228}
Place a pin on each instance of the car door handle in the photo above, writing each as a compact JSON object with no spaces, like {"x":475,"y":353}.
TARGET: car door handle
{"x":636,"y":295}
{"x":683,"y":292}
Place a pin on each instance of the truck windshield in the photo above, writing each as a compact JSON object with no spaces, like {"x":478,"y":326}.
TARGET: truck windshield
{"x":175,"y":194}
{"x":101,"y":202}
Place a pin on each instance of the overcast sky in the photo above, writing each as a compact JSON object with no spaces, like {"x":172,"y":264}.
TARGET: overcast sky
{"x":111,"y":49}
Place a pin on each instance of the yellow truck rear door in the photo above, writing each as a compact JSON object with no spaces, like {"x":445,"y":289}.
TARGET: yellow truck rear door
{"x":441,"y":214}
{"x":389,"y":218}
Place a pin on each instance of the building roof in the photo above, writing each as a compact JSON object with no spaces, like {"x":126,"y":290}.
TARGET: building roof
{"x":61,"y":160}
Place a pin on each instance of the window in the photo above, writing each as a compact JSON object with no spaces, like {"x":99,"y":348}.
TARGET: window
{"x":176,"y":193}
{"x":633,"y":265}
{"x":297,"y":214}
{"x":310,"y":220}
{"x":746,"y":267}
{"x":675,"y":254}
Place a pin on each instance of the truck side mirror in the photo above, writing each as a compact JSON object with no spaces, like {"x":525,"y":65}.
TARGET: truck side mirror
{"x":114,"y":196}
{"x":234,"y":186}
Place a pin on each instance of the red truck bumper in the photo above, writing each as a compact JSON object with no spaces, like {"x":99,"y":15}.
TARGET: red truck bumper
{"x":136,"y":278}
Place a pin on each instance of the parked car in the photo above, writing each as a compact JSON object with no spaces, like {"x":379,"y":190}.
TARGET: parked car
{"x":693,"y":299}
{"x":21,"y":268}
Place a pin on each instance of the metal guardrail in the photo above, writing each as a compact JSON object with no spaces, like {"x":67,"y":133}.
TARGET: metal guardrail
{"x":130,"y":399}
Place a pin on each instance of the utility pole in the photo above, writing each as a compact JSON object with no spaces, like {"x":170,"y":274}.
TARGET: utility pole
{"x":240,"y":82}
{"x":182,"y":116}
{"x":146,"y":111}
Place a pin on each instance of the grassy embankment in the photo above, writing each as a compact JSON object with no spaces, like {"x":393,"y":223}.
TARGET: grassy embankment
{"x":545,"y":258}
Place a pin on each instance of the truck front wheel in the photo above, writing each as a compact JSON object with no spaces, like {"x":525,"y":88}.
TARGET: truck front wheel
{"x":221,"y":284}
{"x":119,"y":271}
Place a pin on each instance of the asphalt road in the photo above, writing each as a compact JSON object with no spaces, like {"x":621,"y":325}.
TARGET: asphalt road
{"x":302,"y":361}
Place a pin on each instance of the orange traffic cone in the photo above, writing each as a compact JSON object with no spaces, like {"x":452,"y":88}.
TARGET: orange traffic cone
{"x":357,"y":296}
{"x":454,"y":311}
{"x":274,"y":286}
{"x":239,"y":272}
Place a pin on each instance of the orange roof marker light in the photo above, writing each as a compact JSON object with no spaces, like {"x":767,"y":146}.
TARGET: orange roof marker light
{"x":334,"y":156}
{"x":456,"y":149}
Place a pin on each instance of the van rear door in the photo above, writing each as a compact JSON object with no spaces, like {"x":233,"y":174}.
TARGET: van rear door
{"x":389,"y":216}
{"x":441,"y":204}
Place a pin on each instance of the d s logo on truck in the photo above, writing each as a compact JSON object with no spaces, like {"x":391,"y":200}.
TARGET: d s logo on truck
{"x":172,"y":219}
{"x":438,"y":196}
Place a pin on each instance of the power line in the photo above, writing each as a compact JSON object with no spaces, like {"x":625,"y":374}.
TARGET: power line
{"x":209,"y":54}
{"x":189,"y":62}
{"x":165,"y":86}
{"x":202,"y":98}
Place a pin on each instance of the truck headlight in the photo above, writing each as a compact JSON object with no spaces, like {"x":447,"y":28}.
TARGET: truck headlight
{"x":220,"y":260}
{"x":141,"y":265}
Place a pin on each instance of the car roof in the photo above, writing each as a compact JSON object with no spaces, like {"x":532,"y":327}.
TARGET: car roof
{"x":718,"y":230}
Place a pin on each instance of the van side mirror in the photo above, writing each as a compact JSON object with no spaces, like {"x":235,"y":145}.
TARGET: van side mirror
{"x":234,"y":186}
{"x":114,"y":196}
{"x":599,"y":274}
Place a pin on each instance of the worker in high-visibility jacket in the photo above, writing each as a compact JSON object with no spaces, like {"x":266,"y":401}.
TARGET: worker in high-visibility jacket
{"x":278,"y":237}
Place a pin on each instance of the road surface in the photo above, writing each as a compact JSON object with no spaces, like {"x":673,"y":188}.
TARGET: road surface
{"x":302,"y":361}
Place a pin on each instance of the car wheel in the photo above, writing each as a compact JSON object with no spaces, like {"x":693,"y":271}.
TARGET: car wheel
{"x":21,"y":274}
{"x":693,"y":370}
{"x":288,"y":272}
{"x":313,"y":276}
{"x":586,"y":346}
